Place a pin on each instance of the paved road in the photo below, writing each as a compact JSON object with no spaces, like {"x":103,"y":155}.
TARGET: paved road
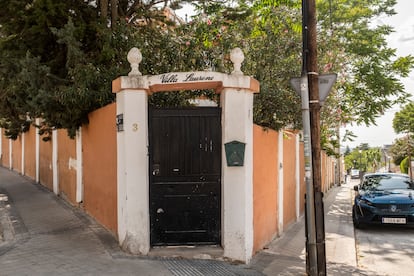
{"x":385,"y":250}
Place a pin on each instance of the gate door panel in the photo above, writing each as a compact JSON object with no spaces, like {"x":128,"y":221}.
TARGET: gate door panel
{"x":185,"y":173}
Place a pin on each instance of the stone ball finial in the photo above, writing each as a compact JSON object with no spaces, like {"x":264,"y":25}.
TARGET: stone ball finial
{"x":237,"y":57}
{"x":134,"y":58}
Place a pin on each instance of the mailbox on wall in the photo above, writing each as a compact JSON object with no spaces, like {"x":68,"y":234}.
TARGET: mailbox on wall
{"x":235,"y":153}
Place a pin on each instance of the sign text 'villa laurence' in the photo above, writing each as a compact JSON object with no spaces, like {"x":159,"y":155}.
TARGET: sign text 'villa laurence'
{"x":175,"y":78}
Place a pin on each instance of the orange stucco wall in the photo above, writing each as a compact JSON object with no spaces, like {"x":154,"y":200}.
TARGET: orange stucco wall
{"x":265,"y":160}
{"x":99,"y":172}
{"x":100,"y":166}
{"x":328,"y":171}
{"x":67,"y":166}
{"x":323,"y":168}
{"x":17,"y":154}
{"x":45,"y":164}
{"x":265,"y":183}
{"x":30,"y":152}
{"x":289,"y":178}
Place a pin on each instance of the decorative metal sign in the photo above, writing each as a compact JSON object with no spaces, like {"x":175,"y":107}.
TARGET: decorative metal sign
{"x":120,"y":122}
{"x":179,"y":77}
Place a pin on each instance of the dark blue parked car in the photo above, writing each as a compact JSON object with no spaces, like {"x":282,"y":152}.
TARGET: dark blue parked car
{"x":384,"y":198}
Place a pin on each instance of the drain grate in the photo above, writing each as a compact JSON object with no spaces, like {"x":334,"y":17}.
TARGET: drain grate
{"x":180,"y":267}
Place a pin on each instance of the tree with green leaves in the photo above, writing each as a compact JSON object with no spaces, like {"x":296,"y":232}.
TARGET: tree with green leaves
{"x":369,"y":72}
{"x":271,"y":46}
{"x":355,"y":159}
{"x":403,"y":148}
{"x":364,"y":158}
{"x":58,"y":58}
{"x":374,"y":160}
{"x":403,"y":121}
{"x":33,"y":64}
{"x":399,"y":149}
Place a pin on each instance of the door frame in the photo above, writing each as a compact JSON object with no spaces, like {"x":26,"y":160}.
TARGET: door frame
{"x":185,"y":112}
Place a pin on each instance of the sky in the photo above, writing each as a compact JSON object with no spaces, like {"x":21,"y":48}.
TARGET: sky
{"x":402,"y":40}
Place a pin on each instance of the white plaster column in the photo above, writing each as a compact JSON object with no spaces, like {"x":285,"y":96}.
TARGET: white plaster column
{"x":37,"y":152}
{"x":79,"y":166}
{"x":237,"y":182}
{"x":1,"y":144}
{"x":55,"y":168}
{"x":133,"y":180}
{"x":23,"y":152}
{"x":280,"y":190}
{"x":10,"y":154}
{"x":297,"y":174}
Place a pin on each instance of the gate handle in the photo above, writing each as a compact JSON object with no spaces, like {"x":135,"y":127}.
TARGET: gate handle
{"x":156,"y":169}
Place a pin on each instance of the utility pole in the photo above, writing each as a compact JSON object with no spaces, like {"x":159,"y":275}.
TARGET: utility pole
{"x":310,"y":68}
{"x":313,"y":90}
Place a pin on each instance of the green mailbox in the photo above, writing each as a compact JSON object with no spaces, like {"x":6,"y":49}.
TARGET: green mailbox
{"x":234,"y":153}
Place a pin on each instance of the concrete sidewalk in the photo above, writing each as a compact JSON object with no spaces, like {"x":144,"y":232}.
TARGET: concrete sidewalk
{"x":42,"y":235}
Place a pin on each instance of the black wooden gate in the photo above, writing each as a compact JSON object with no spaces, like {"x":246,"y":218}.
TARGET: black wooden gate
{"x":185,"y":174}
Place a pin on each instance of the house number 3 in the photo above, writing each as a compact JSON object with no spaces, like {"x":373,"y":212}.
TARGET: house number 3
{"x":135,"y":127}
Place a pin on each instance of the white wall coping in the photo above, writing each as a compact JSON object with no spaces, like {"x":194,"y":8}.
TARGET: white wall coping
{"x":176,"y":81}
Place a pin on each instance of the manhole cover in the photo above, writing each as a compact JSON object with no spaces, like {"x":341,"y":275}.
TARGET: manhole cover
{"x":179,"y":267}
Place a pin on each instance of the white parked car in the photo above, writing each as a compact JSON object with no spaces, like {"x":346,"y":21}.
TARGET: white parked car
{"x":354,"y":174}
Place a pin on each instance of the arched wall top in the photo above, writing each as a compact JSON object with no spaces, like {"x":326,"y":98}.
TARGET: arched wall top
{"x":176,"y":81}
